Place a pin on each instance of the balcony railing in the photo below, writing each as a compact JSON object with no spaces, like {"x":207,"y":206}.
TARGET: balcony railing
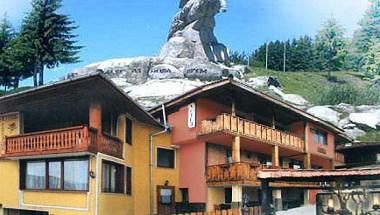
{"x":246,"y":173}
{"x":233,"y":172}
{"x":67,"y":140}
{"x":250,"y":129}
{"x":339,"y":158}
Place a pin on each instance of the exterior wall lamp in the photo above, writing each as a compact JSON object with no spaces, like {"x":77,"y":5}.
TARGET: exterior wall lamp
{"x":358,"y":201}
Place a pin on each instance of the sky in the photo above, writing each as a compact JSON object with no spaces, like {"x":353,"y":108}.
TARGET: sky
{"x":129,"y":28}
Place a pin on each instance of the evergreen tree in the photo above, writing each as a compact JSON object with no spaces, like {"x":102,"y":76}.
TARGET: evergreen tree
{"x":363,"y":37}
{"x":372,"y":58}
{"x":239,"y":58}
{"x":330,"y":47}
{"x":6,"y":36}
{"x":49,"y":37}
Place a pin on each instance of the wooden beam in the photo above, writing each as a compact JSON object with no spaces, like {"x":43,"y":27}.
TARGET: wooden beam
{"x":275,"y":156}
{"x":236,"y":149}
{"x":95,"y":116}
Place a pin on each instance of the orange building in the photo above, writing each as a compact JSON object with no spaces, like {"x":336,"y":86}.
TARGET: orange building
{"x":226,"y":132}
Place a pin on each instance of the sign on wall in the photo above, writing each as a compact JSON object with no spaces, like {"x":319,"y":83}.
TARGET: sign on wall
{"x":191,"y":115}
{"x":9,"y":126}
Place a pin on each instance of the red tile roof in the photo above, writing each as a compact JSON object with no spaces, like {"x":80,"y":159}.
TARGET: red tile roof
{"x":316,"y":175}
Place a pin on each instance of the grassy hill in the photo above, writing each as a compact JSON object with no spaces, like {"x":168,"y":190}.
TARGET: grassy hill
{"x":310,"y":84}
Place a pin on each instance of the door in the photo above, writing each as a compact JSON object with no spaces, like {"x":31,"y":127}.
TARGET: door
{"x":165,"y":200}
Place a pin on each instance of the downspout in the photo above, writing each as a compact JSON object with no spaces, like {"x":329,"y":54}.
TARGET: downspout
{"x":151,"y":136}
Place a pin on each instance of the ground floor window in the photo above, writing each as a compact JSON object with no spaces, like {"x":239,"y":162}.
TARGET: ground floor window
{"x":23,"y":212}
{"x":55,"y":174}
{"x":112,"y":177}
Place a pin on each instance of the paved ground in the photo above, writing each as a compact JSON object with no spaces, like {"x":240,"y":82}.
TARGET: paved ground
{"x":307,"y":210}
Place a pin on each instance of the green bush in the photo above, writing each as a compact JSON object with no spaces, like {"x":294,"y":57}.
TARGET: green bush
{"x":348,"y":94}
{"x":338,"y":94}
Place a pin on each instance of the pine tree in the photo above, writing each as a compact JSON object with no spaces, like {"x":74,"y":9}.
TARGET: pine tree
{"x":330,"y":47}
{"x":363,"y":37}
{"x":6,"y":36}
{"x":372,"y":58}
{"x":49,"y":36}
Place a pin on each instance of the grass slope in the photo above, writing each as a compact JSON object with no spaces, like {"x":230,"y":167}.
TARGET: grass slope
{"x":310,"y":84}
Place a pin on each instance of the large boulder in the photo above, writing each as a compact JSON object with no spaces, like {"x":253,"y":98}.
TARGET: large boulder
{"x":140,"y":69}
{"x":155,"y":92}
{"x":291,"y":98}
{"x":263,"y":81}
{"x":325,"y":113}
{"x":345,"y":108}
{"x":354,"y":133}
{"x":370,"y":119}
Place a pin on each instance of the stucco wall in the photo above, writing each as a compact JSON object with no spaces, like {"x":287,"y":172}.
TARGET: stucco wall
{"x":315,"y":148}
{"x":192,"y":173}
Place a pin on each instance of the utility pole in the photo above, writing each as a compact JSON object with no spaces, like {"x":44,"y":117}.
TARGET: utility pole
{"x":284,"y":66}
{"x":266,"y":56}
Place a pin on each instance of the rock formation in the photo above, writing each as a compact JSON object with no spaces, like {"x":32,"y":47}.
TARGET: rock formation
{"x":192,"y":32}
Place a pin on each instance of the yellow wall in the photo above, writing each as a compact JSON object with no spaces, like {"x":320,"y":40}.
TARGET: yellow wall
{"x":137,"y":157}
{"x":76,"y":203}
{"x":141,"y":186}
{"x":215,"y":196}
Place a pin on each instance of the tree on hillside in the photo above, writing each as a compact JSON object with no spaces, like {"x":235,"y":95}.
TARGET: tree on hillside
{"x":372,"y":58}
{"x":238,"y":58}
{"x":363,"y":37}
{"x":6,"y":36}
{"x":48,"y":35}
{"x":330,"y":47}
{"x":300,"y":54}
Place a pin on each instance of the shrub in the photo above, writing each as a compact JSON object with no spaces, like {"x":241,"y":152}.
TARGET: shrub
{"x":337,"y":94}
{"x":348,"y":94}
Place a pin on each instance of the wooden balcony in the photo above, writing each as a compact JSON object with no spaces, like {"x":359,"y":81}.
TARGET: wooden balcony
{"x":234,"y":172}
{"x":80,"y":139}
{"x":252,"y":130}
{"x":246,"y":174}
{"x":339,"y":158}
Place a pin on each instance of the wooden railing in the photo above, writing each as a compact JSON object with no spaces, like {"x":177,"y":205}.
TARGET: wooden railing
{"x":67,"y":140}
{"x":239,"y":171}
{"x":111,"y":145}
{"x":242,"y":172}
{"x":250,"y":129}
{"x":339,"y":157}
{"x":236,"y":211}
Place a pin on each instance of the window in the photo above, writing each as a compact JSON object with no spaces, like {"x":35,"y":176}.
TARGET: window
{"x":185,"y":194}
{"x":55,"y":174}
{"x":128,"y":131}
{"x":76,"y":172}
{"x":227,"y":195}
{"x":129,"y":181}
{"x":320,"y":137}
{"x":35,"y":175}
{"x":165,"y":158}
{"x":112,"y":177}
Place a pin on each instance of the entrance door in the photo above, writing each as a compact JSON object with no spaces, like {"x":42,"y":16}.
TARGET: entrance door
{"x":165,"y":200}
